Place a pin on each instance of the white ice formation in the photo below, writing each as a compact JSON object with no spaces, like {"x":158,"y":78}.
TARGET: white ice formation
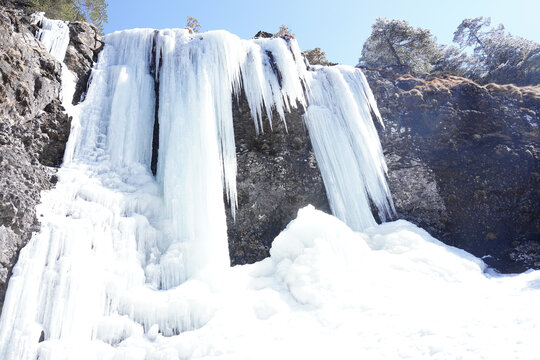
{"x":132,"y":266}
{"x":53,"y":34}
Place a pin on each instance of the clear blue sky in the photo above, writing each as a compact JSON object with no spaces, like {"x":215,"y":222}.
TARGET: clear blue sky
{"x":339,"y":27}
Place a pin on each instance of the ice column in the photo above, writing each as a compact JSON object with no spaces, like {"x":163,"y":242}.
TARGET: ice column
{"x":346,"y":144}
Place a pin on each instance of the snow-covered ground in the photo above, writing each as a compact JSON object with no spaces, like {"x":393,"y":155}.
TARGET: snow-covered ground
{"x":390,"y":292}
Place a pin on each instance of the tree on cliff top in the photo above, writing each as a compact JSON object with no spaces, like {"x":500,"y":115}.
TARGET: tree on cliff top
{"x":284,"y":32}
{"x":193,"y":24}
{"x":316,"y":57}
{"x":500,"y":57}
{"x":494,"y":56}
{"x":94,"y":11}
{"x":396,"y":43}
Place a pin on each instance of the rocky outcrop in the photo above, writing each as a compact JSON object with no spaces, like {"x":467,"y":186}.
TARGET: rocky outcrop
{"x":84,"y":46}
{"x":464,"y":162}
{"x":34,"y":127}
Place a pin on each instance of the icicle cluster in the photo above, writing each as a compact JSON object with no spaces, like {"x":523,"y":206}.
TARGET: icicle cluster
{"x":347,"y":146}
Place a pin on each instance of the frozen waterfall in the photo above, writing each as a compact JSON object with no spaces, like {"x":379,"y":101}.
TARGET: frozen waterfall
{"x":119,"y":247}
{"x":129,"y":265}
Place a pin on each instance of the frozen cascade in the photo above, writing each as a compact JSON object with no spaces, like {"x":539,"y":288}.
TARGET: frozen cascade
{"x":54,"y":35}
{"x":347,"y":146}
{"x":152,"y":244}
{"x":132,"y":266}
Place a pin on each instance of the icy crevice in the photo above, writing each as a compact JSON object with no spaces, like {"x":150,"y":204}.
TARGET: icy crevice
{"x":155,"y":68}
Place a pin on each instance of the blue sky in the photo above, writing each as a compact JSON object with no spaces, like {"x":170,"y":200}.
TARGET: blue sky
{"x":339,"y":27}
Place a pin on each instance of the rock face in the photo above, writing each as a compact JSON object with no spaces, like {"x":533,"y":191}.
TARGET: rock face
{"x":84,"y":47}
{"x":464,"y":162}
{"x":277,"y":175}
{"x":33,"y":126}
{"x":33,"y":132}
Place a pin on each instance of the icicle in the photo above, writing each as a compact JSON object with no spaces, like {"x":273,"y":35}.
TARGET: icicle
{"x":54,"y":35}
{"x":118,"y":111}
{"x":347,"y":146}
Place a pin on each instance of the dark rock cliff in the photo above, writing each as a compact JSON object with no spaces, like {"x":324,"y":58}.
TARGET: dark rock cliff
{"x":464,"y":162}
{"x":33,"y":126}
{"x":84,"y":46}
{"x":277,"y":175}
{"x":33,"y":131}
